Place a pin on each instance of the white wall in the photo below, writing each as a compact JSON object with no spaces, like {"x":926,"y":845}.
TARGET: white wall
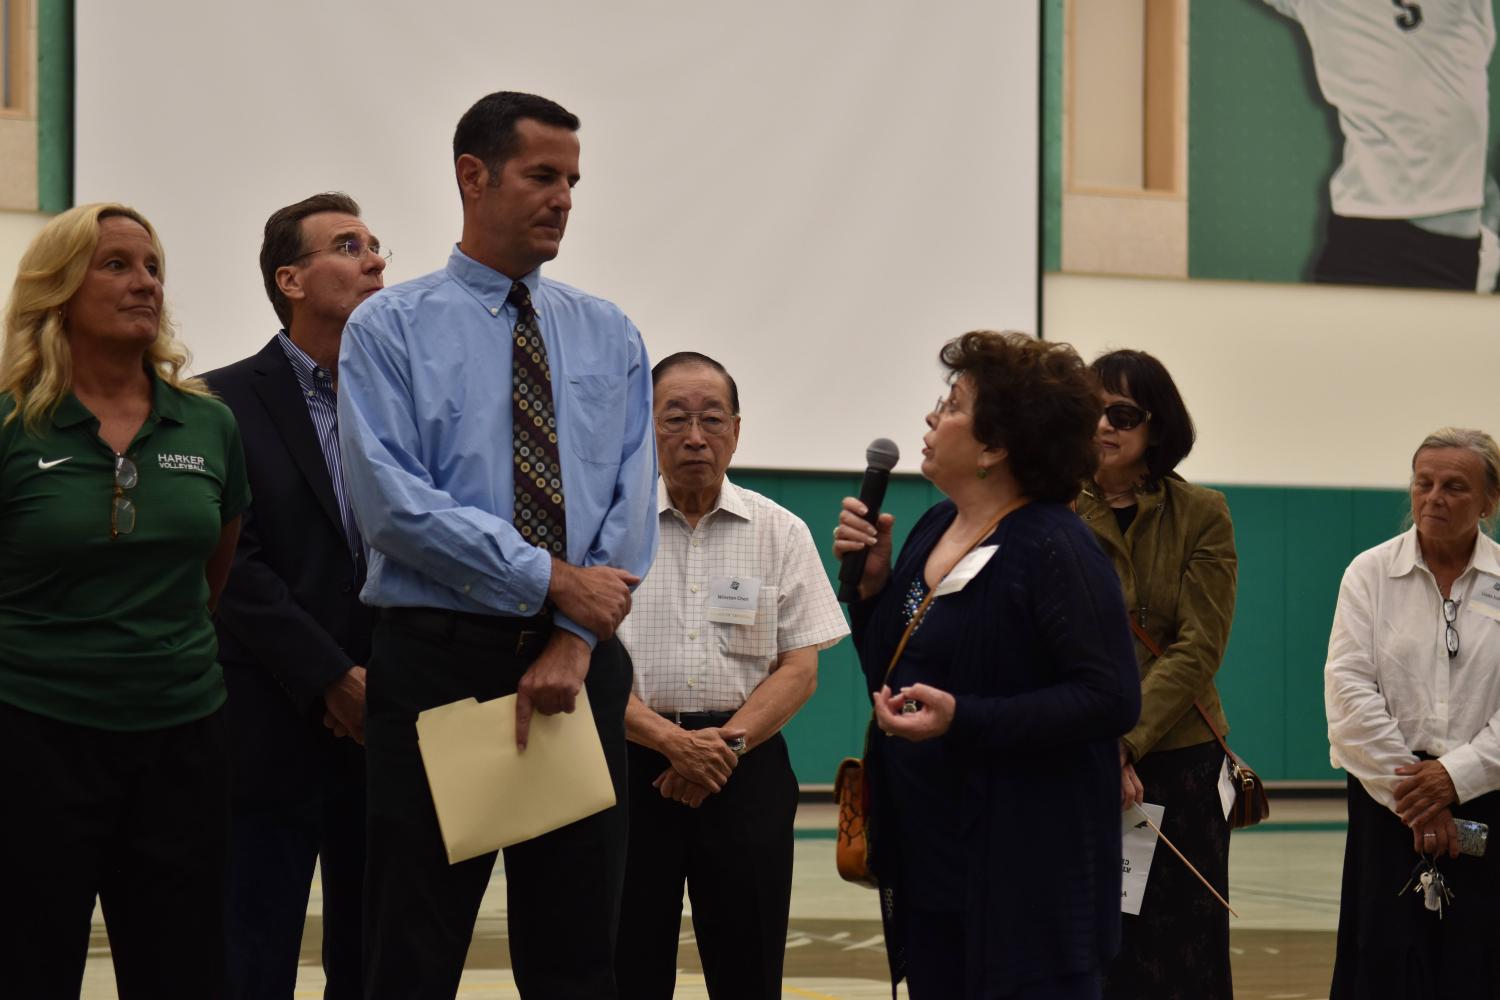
{"x":1289,"y":384}
{"x":819,"y":194}
{"x":1302,"y":385}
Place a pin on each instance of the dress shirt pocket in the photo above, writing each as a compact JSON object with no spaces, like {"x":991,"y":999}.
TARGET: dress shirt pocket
{"x":597,"y":418}
{"x":758,"y":641}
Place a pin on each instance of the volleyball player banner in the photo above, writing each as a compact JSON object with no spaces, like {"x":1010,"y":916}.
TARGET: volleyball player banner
{"x":1337,"y":141}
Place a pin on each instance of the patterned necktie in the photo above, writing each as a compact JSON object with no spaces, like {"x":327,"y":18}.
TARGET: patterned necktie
{"x":539,"y":515}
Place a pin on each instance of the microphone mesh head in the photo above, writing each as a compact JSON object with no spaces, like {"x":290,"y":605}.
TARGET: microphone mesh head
{"x":882,"y":454}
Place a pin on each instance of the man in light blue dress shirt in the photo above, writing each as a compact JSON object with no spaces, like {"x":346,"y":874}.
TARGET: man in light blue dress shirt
{"x":470,"y":608}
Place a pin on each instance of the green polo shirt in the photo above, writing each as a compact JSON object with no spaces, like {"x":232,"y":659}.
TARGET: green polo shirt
{"x":114,"y":634}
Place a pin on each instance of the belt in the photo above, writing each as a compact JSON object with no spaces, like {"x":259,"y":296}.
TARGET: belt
{"x":528,"y":634}
{"x":697,"y":720}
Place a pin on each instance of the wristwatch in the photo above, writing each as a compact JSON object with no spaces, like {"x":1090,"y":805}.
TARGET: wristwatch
{"x":737,"y":746}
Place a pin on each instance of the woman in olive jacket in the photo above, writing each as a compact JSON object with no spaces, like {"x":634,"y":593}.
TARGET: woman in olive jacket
{"x":1172,"y":544}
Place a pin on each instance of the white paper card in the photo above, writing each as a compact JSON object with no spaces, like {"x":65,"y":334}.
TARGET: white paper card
{"x":733,"y":599}
{"x":968,"y":567}
{"x":1138,"y":848}
{"x":1227,"y":788}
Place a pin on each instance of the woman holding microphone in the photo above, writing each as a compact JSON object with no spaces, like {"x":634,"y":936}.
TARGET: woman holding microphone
{"x":996,"y":782}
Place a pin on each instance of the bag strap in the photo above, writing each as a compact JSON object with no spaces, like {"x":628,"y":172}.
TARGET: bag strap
{"x":1155,"y":650}
{"x":916,"y":617}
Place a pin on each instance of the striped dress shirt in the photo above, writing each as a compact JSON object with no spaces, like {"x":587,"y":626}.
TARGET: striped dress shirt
{"x":316,"y":385}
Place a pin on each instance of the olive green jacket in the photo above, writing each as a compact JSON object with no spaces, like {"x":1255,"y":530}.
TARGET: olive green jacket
{"x":1178,"y":569}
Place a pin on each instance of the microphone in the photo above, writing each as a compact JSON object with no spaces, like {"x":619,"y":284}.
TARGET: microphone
{"x":880,"y":459}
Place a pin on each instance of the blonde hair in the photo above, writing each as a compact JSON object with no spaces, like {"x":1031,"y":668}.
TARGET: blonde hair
{"x":1480,"y":444}
{"x":36,"y":363}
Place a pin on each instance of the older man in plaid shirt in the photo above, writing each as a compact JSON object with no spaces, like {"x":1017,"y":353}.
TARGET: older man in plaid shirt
{"x":724,"y":633}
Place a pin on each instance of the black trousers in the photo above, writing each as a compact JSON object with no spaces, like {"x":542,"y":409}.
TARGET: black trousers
{"x":138,"y":819}
{"x":275,"y":842}
{"x":563,"y":887}
{"x":735,"y":854}
{"x":1397,"y":254}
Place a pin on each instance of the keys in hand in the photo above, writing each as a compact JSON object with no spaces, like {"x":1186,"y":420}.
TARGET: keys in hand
{"x":1435,"y":892}
{"x":1427,"y":880}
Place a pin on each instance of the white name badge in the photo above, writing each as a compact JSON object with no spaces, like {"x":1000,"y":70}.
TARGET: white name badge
{"x":968,"y":567}
{"x":1487,"y":608}
{"x":1486,"y":597}
{"x":733,"y":600}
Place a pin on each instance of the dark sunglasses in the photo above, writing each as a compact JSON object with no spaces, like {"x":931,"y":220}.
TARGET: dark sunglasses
{"x":1125,"y":416}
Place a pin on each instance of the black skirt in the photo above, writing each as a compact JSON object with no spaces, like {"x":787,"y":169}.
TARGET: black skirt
{"x":1178,"y":948}
{"x":1390,"y":945}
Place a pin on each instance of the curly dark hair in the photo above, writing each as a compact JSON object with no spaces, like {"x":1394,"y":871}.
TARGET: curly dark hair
{"x":1036,"y":399}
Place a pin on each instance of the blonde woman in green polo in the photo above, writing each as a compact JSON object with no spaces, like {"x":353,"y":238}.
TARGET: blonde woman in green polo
{"x":121,"y":487}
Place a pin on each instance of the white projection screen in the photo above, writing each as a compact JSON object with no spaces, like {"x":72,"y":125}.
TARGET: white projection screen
{"x":816,"y":192}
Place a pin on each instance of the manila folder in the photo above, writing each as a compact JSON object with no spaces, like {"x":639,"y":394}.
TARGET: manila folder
{"x":490,"y":795}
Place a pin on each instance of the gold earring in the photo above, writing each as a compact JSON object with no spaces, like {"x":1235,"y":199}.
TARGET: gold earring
{"x":982,"y":472}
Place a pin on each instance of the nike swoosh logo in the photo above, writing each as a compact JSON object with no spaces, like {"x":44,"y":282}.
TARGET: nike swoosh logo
{"x":40,"y":464}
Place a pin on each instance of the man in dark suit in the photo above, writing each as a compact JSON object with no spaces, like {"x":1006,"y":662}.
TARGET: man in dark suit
{"x":293,"y":635}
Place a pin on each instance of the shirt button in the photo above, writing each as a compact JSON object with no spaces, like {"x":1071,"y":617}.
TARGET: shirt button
{"x":697,"y":542}
{"x":693,"y":588}
{"x":693,"y":634}
{"x":466,"y":588}
{"x":523,"y":606}
{"x":692,"y":682}
{"x":495,"y":311}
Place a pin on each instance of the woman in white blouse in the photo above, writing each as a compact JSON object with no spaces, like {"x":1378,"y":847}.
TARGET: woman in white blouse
{"x":1412,"y":690}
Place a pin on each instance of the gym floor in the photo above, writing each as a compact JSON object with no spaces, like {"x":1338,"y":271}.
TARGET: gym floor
{"x":1284,"y":882}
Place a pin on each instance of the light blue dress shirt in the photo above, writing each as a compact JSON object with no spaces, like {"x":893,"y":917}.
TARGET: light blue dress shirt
{"x":425,"y":424}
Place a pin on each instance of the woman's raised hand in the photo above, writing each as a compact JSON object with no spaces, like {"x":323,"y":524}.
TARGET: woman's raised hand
{"x":854,"y":533}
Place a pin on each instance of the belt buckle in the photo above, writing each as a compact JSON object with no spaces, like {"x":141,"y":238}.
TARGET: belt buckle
{"x":521,"y":638}
{"x":676,"y":717}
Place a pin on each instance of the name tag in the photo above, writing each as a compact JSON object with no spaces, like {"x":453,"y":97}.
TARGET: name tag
{"x":1489,"y":609}
{"x":968,"y":567}
{"x":733,"y":600}
{"x":1488,"y":588}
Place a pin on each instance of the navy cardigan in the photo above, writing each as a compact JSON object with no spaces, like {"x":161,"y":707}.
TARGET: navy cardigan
{"x":1045,"y":683}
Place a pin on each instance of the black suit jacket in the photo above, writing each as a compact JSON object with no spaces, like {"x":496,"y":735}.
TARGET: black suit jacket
{"x":289,"y":621}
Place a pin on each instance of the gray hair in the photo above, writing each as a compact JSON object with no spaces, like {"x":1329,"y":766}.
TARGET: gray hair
{"x":1480,"y":444}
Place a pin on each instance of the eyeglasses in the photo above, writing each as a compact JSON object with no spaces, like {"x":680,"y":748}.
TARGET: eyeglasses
{"x":713,"y":423}
{"x":121,"y":508}
{"x":1450,"y":615}
{"x":352,"y":248}
{"x":1125,"y":416}
{"x":946,"y":405}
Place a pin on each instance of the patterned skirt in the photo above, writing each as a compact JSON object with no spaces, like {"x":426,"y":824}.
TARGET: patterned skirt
{"x":1178,"y":948}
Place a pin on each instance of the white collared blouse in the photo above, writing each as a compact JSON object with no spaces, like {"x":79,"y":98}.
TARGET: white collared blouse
{"x":1390,"y":687}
